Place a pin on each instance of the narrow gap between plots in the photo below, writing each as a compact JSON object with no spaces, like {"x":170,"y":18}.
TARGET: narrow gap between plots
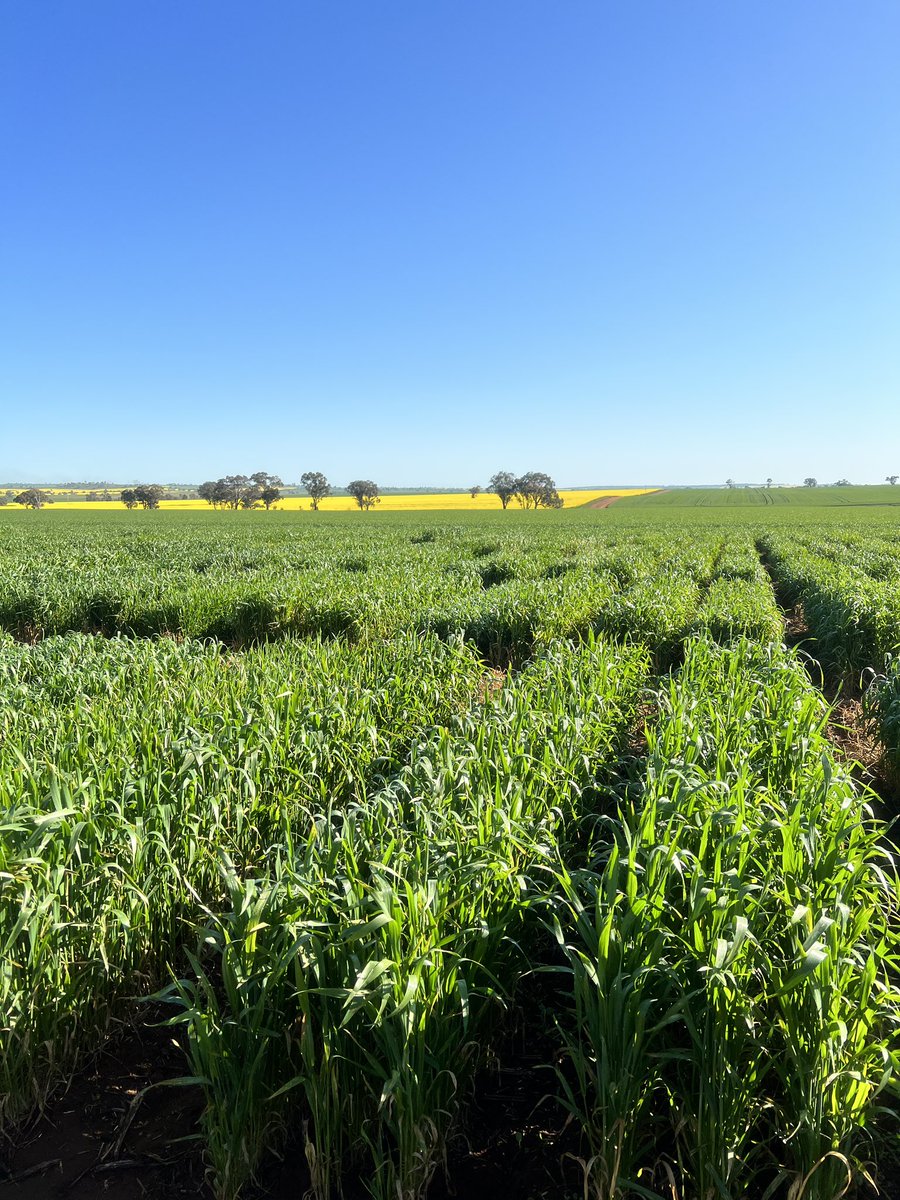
{"x":515,"y":1138}
{"x":849,"y":728}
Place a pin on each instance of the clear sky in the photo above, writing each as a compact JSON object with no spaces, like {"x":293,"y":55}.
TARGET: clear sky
{"x":622,"y":241}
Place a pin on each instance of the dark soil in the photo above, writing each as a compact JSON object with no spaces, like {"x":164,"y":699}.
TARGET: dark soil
{"x":122,"y":1132}
{"x":116,"y":1133}
{"x":796,"y":630}
{"x":110,"y":1138}
{"x":515,"y":1139}
{"x":855,"y":740}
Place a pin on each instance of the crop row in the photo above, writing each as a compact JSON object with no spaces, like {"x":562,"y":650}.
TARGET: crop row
{"x":349,"y":855}
{"x":725,"y":957}
{"x":506,"y":592}
{"x":131,"y":771}
{"x":849,"y":587}
{"x":850,"y":596}
{"x":733,"y":952}
{"x":387,"y":938}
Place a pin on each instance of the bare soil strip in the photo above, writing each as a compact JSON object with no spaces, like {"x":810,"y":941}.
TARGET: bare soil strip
{"x":116,"y":1133}
{"x":856,"y":742}
{"x":603,"y":502}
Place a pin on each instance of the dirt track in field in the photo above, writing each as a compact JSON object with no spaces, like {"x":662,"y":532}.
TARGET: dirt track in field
{"x":606,"y":501}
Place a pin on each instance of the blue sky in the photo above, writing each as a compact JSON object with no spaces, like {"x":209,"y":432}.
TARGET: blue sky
{"x":622,"y":242}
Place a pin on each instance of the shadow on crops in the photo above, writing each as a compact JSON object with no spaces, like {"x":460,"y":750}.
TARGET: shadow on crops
{"x":495,"y":573}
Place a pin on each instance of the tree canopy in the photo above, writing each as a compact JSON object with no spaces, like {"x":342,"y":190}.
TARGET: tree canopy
{"x":147,"y":495}
{"x":503,"y":485}
{"x":534,"y":489}
{"x":364,"y":492}
{"x":242,"y":491}
{"x":34,"y":498}
{"x":316,"y":486}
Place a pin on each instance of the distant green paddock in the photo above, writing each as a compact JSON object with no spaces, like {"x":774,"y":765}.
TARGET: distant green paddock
{"x":681,"y":508}
{"x":756,"y":497}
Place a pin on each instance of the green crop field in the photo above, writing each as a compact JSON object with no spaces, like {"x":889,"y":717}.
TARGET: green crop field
{"x":358,"y":806}
{"x":799,"y":497}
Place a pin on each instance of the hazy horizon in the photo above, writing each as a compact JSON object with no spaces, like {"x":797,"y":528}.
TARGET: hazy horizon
{"x":448,"y":489}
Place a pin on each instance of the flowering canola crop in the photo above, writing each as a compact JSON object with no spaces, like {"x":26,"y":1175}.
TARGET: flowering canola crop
{"x":410,"y":502}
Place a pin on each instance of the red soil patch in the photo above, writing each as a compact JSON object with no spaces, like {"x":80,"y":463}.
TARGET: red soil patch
{"x":606,"y":501}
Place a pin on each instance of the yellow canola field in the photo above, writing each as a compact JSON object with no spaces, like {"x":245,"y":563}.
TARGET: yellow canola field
{"x":420,"y":502}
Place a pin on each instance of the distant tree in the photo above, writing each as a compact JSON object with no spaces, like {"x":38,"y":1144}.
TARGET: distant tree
{"x":3,"y":500}
{"x":234,"y":490}
{"x":809,"y":481}
{"x":242,"y":491}
{"x":209,"y":492}
{"x":503,"y":485}
{"x":316,"y":486}
{"x":148,"y":495}
{"x":534,"y":489}
{"x":263,"y":489}
{"x":843,"y":483}
{"x":128,"y":498}
{"x":729,"y":483}
{"x":769,"y":482}
{"x":892,"y":479}
{"x":237,"y":491}
{"x":33,"y":498}
{"x":475,"y":491}
{"x":364,"y":492}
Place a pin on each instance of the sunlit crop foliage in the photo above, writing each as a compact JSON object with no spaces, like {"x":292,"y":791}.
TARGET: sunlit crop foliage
{"x":335,"y":793}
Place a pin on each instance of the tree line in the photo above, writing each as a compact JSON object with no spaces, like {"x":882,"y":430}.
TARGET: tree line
{"x":249,"y":491}
{"x":533,"y":490}
{"x":242,"y":491}
{"x":811,"y":482}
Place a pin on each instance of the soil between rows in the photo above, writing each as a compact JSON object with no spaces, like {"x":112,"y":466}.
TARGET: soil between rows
{"x":849,"y":729}
{"x":117,"y":1132}
{"x":121,"y":1132}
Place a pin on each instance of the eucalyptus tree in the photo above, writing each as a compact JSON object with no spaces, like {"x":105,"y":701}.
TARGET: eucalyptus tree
{"x":316,"y":487}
